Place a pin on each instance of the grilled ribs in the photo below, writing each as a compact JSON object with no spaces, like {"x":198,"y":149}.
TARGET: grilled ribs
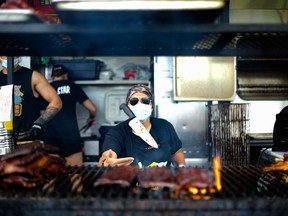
{"x":194,"y":177}
{"x":30,"y":165}
{"x":156,"y":177}
{"x":279,"y":165}
{"x":119,"y":175}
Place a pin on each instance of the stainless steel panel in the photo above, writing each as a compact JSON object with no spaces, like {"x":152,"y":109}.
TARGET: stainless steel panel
{"x":205,"y":78}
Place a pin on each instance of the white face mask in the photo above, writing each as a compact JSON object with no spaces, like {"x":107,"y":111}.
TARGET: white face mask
{"x":141,"y":111}
{"x":16,"y":62}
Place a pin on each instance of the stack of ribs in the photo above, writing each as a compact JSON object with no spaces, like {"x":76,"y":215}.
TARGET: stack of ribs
{"x":30,"y":165}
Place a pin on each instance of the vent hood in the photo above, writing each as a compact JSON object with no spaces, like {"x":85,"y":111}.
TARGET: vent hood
{"x":258,"y":11}
{"x":262,"y":79}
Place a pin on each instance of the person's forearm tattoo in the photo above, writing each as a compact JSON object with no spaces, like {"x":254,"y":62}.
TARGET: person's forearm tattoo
{"x":49,"y":113}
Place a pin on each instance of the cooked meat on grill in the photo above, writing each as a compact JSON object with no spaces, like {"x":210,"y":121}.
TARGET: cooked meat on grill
{"x":156,"y":177}
{"x":37,"y":167}
{"x":20,"y":180}
{"x":120,"y":175}
{"x":28,"y":149}
{"x":281,"y":165}
{"x":194,"y":177}
{"x":30,"y":165}
{"x":278,"y":166}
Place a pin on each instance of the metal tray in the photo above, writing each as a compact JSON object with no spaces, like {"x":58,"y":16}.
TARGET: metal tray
{"x":18,"y":16}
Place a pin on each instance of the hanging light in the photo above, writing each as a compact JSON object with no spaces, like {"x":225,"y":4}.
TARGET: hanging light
{"x":138,"y":5}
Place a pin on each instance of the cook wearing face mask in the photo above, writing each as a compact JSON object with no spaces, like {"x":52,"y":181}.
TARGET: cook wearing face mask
{"x":17,"y":61}
{"x":29,"y":85}
{"x":123,"y":146}
{"x":141,"y":110}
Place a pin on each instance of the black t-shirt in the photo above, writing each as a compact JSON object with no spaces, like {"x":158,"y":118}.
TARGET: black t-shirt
{"x":27,"y":106}
{"x":70,"y":94}
{"x":280,"y":131}
{"x":126,"y":144}
{"x":62,"y":130}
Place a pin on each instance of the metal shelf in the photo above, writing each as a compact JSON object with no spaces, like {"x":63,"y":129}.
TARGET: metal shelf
{"x":111,"y":82}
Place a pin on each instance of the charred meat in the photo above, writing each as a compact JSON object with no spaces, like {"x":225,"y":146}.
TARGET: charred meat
{"x":279,"y":165}
{"x":123,"y":176}
{"x":161,"y":177}
{"x":30,"y":165}
{"x":194,"y":177}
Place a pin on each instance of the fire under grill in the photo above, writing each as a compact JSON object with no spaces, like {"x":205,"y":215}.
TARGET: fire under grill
{"x":245,"y":189}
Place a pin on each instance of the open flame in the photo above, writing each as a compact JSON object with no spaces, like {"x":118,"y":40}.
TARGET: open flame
{"x":217,"y":172}
{"x":198,"y":193}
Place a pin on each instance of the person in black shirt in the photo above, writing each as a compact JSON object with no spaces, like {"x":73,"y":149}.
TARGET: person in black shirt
{"x":63,"y":130}
{"x":122,"y":146}
{"x":29,"y":87}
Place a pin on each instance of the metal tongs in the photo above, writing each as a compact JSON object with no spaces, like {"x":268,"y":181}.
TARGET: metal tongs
{"x":25,"y":136}
{"x":86,"y":127}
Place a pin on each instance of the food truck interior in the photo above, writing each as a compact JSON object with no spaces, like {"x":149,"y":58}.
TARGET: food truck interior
{"x":218,"y":75}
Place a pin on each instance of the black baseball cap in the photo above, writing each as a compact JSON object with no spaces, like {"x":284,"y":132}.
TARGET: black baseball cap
{"x":58,"y":70}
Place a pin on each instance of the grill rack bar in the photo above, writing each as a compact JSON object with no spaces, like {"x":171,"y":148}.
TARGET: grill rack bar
{"x":268,"y":40}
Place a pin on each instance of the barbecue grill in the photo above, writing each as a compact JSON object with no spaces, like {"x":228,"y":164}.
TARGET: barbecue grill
{"x":246,"y":190}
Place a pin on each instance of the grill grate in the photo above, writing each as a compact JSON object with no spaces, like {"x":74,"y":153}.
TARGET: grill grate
{"x":247,"y":190}
{"x":174,"y":40}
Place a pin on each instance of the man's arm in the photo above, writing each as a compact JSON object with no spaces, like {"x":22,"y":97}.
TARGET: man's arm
{"x":179,"y":158}
{"x":91,"y":107}
{"x":41,"y":86}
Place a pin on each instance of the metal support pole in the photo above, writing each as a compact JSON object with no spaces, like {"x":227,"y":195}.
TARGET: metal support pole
{"x":10,"y":80}
{"x":10,"y":69}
